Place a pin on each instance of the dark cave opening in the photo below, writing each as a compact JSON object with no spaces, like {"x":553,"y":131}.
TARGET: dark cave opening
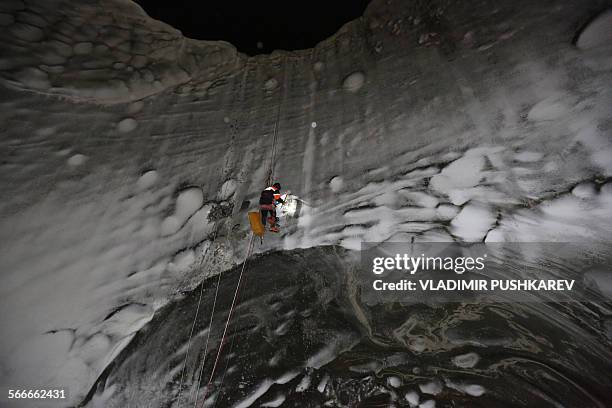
{"x":257,"y":27}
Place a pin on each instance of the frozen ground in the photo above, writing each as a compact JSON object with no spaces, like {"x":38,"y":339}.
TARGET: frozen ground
{"x":302,"y":336}
{"x":129,"y":154}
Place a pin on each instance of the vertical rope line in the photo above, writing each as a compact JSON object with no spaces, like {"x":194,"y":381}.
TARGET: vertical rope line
{"x":276,"y":125}
{"x":201,"y":369}
{"x":195,"y":319}
{"x":229,"y":317}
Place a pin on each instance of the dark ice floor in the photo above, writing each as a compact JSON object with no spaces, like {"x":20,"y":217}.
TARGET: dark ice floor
{"x":300,"y":337}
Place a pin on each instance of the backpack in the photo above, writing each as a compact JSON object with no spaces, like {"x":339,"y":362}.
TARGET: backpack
{"x":267,"y":197}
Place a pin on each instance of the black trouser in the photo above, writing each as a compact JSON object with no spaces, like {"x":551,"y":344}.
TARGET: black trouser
{"x":264,"y":215}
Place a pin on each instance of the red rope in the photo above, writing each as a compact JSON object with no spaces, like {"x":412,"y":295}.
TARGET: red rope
{"x":227,"y":322}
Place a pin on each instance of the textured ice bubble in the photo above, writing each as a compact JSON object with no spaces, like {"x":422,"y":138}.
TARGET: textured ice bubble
{"x":271,"y":84}
{"x":427,"y":404}
{"x":83,"y":48}
{"x":474,"y":390}
{"x":227,"y":189}
{"x":413,"y":398}
{"x":548,"y":109}
{"x":77,"y":160}
{"x":182,"y":261}
{"x":473,"y":222}
{"x":354,"y":82}
{"x":528,"y":156}
{"x":135,"y":107}
{"x":467,"y":360}
{"x":147,"y":180}
{"x":323,"y":384}
{"x":187,"y":203}
{"x":432,"y":388}
{"x":394,"y":382}
{"x":585,"y":190}
{"x":304,"y":384}
{"x":276,"y":402}
{"x":597,"y":33}
{"x":336,"y":184}
{"x":45,"y":132}
{"x":127,"y":125}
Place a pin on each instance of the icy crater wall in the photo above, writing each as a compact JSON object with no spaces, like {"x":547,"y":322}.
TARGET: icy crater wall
{"x":129,"y":152}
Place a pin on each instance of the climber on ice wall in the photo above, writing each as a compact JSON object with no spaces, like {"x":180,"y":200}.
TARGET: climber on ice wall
{"x":270,"y":196}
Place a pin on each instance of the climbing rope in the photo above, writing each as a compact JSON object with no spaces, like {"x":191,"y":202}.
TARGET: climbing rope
{"x":273,"y":155}
{"x":193,"y":324}
{"x":195,"y":319}
{"x":248,"y":255}
{"x":275,"y":135}
{"x":201,"y":369}
{"x":229,"y":317}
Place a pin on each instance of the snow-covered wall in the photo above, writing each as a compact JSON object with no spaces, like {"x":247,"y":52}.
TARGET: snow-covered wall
{"x":128,"y":153}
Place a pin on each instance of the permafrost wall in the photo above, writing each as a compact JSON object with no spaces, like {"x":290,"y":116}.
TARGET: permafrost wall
{"x":129,"y":153}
